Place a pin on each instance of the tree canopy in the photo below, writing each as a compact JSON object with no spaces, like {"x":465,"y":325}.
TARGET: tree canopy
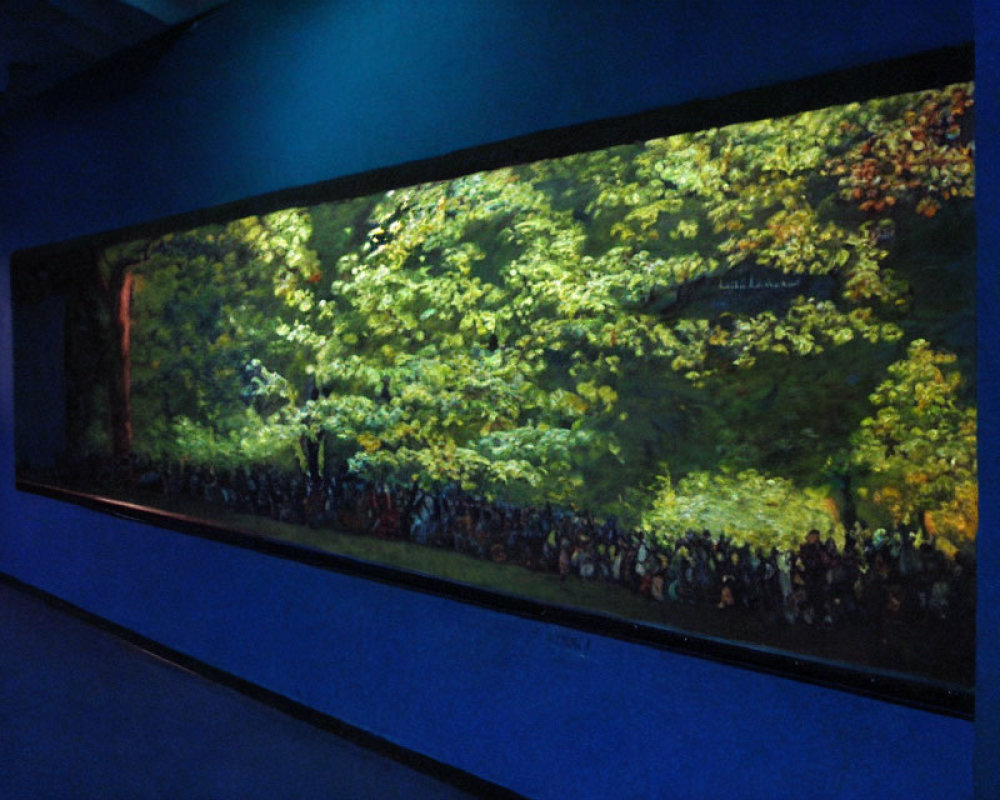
{"x":920,"y":445}
{"x":576,"y":330}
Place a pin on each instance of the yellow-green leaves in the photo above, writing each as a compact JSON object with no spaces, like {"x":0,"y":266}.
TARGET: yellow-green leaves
{"x":747,"y":506}
{"x":920,"y":443}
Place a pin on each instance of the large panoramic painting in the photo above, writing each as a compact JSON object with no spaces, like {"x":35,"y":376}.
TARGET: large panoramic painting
{"x":721,"y":382}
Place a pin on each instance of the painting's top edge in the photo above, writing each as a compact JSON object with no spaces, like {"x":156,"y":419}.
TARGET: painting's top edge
{"x":896,"y":76}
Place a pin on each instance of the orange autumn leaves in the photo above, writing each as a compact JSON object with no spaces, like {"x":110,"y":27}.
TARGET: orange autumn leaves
{"x":924,"y":159}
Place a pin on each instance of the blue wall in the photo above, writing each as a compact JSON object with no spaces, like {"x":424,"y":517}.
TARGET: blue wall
{"x":266,"y":95}
{"x":987,"y":776}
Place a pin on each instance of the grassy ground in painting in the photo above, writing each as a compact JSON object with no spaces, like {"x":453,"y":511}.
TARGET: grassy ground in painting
{"x":933,"y":650}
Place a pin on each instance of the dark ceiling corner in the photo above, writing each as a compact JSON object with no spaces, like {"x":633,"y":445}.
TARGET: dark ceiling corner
{"x":44,"y":42}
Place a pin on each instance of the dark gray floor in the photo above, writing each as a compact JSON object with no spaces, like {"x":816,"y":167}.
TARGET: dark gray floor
{"x":85,"y":715}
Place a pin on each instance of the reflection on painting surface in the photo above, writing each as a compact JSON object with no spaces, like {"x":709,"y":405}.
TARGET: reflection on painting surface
{"x":721,"y":381}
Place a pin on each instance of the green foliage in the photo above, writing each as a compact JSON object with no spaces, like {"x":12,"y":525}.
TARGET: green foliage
{"x":208,"y":303}
{"x":747,"y":506}
{"x":920,"y":444}
{"x":252,"y":442}
{"x":558,"y":332}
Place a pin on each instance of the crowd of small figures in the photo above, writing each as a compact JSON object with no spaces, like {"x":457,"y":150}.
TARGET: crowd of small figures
{"x":877,"y":578}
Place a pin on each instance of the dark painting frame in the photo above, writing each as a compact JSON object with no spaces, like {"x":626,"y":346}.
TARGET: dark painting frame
{"x":50,"y":265}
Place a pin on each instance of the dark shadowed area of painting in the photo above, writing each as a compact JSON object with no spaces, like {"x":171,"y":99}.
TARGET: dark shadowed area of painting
{"x":721,"y":381}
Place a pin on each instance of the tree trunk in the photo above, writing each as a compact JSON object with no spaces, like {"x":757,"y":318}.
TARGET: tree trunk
{"x":117,"y":280}
{"x":120,"y":389}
